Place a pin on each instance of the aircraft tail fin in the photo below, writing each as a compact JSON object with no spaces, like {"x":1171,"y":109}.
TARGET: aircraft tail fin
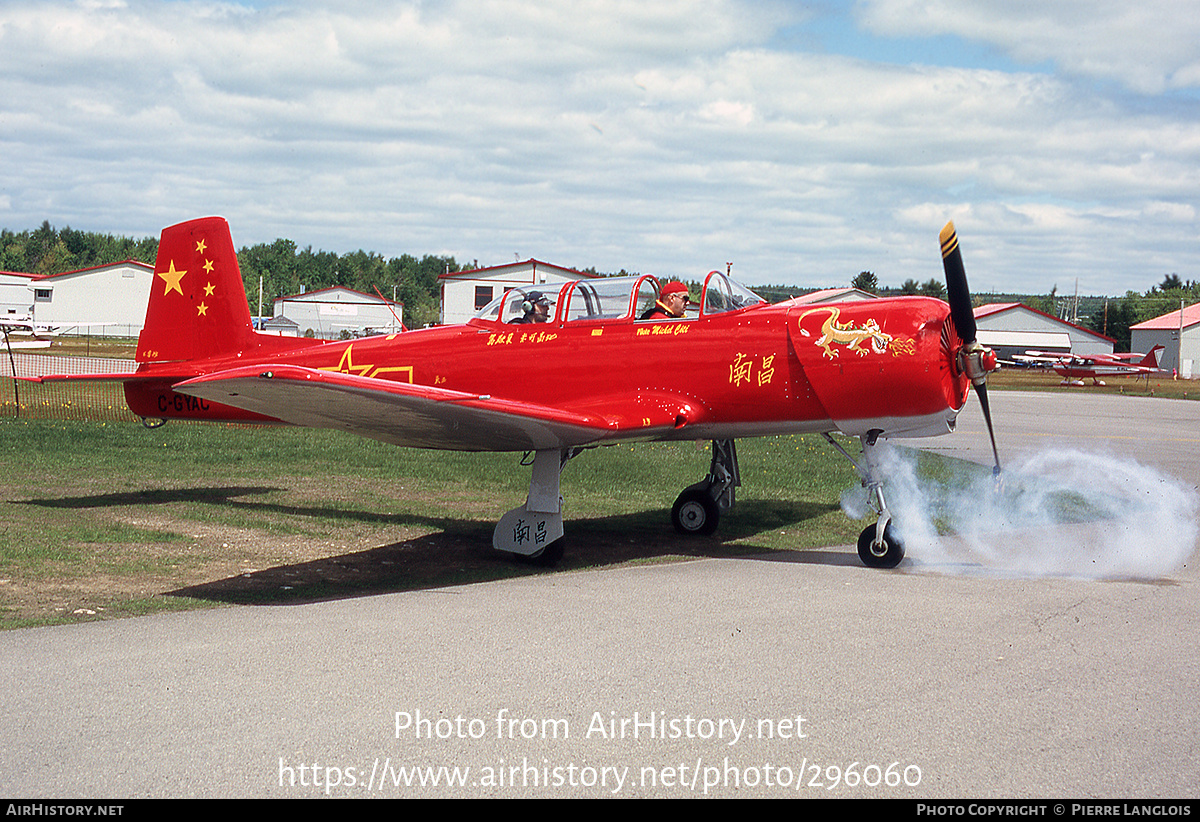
{"x":1151,"y":359}
{"x":198,"y":305}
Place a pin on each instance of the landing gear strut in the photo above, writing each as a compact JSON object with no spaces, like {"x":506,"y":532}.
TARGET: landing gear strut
{"x":698,"y":509}
{"x":878,"y":545}
{"x":534,"y":531}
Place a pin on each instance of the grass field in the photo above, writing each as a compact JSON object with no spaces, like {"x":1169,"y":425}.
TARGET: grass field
{"x":71,"y":346}
{"x":110,"y":519}
{"x":1037,"y":379}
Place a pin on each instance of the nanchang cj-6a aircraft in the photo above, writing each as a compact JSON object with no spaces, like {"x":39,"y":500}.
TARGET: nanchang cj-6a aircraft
{"x":740,"y":368}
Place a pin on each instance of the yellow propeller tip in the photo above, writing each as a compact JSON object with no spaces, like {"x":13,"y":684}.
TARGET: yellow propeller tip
{"x":948,"y":239}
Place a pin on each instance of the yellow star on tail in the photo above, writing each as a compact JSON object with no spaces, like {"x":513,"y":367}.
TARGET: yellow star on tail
{"x":172,"y":277}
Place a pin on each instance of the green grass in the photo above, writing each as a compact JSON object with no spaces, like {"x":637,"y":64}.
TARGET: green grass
{"x":103,"y":520}
{"x":115,"y":519}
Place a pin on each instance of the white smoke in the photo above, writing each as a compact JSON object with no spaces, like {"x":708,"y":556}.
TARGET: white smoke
{"x":1055,"y":513}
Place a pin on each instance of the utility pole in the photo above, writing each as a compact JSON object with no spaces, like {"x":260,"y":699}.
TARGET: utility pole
{"x":1179,"y":355}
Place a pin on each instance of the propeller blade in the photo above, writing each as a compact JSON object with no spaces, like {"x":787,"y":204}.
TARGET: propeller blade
{"x":981,"y":390}
{"x":975,"y":359}
{"x":957,"y":293}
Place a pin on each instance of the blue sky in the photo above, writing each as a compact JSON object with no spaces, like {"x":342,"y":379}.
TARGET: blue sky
{"x":803,"y":142}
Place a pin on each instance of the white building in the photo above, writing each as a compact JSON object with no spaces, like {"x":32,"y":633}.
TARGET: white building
{"x":280,"y":326}
{"x":465,"y":292}
{"x":339,"y":313}
{"x":1014,"y":328}
{"x":16,"y":296}
{"x":1179,"y":336}
{"x":107,"y":300}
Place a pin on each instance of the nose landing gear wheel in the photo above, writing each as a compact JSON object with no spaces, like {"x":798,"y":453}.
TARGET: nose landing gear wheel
{"x":695,"y":513}
{"x":887,"y":555}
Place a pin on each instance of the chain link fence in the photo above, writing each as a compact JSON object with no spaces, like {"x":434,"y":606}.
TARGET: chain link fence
{"x":62,"y":399}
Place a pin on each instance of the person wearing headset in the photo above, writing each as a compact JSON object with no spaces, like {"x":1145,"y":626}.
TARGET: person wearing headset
{"x":536,"y":307}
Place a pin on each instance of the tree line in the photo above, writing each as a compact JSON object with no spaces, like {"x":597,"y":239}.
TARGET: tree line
{"x":286,"y":269}
{"x":283,"y":268}
{"x":47,"y":250}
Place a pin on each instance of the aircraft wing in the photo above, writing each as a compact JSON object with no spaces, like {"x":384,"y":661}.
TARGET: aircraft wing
{"x":1042,"y":356}
{"x":400,"y":413}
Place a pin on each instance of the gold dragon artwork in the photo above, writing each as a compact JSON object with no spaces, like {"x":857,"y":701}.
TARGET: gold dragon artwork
{"x":854,"y":338}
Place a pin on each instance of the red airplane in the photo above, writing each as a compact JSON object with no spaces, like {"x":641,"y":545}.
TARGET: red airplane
{"x":590,"y":374}
{"x":1075,"y":368}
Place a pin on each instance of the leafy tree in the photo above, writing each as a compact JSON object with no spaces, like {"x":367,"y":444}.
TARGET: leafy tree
{"x":1171,"y":282}
{"x":934,"y":288}
{"x":866,"y":281}
{"x":1046,"y":304}
{"x":49,"y":251}
{"x":55,"y":259}
{"x":1115,"y":319}
{"x":277,"y":266}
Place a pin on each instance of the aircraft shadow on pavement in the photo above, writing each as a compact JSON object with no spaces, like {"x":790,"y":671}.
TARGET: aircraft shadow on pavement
{"x":232,"y":497}
{"x":462,"y":554}
{"x":459,"y":551}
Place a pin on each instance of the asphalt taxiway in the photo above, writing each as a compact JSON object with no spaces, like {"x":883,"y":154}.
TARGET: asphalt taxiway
{"x":802,"y":675}
{"x":1163,"y":433}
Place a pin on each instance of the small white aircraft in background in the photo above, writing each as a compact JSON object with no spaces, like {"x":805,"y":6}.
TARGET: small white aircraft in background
{"x":35,"y":334}
{"x":23,"y":325}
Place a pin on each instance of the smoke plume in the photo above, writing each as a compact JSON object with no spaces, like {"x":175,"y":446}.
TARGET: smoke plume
{"x":1055,"y":513}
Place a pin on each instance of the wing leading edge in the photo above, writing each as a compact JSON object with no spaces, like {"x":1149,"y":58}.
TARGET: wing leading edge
{"x":418,"y":416}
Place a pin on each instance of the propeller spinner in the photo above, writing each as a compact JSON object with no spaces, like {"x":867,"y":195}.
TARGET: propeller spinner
{"x":974,"y":360}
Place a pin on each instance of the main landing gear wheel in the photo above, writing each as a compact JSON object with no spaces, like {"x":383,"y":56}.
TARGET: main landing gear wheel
{"x":695,"y":513}
{"x":887,"y":555}
{"x":548,"y":557}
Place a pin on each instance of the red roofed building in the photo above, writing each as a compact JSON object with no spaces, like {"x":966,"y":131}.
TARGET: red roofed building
{"x":465,"y":292}
{"x":1014,"y":328}
{"x":1178,"y":332}
{"x":102,"y":300}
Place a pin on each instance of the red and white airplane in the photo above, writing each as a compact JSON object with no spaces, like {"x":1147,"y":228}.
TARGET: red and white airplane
{"x":1075,"y":368}
{"x":591,"y":374}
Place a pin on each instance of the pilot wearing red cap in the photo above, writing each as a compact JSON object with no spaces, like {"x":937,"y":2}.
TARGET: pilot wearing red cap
{"x":671,"y":304}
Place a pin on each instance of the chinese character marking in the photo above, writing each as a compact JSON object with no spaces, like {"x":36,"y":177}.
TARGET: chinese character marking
{"x":520,"y":532}
{"x":767,"y":371}
{"x":741,"y":369}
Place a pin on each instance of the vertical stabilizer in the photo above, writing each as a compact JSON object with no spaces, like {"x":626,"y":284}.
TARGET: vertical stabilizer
{"x":1151,"y":359}
{"x":198,"y":305}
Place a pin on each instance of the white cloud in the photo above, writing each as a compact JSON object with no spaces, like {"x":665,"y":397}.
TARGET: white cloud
{"x":1148,"y":47}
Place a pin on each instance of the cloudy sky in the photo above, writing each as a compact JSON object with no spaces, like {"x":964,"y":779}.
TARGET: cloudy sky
{"x":801,"y":141}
